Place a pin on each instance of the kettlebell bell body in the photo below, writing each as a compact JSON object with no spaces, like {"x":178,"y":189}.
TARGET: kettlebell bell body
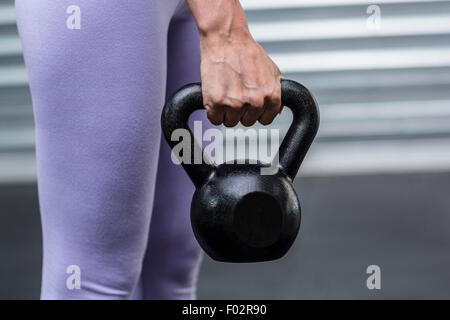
{"x":239,"y":214}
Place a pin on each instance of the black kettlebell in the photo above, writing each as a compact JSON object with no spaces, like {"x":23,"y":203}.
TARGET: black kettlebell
{"x":237,"y":214}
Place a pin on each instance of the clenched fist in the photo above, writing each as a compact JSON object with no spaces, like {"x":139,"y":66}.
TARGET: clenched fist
{"x":239,"y":80}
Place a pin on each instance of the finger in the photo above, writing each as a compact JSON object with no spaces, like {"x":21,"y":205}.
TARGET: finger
{"x":251,"y":115}
{"x":216,"y":114}
{"x":281,"y":105}
{"x":254,"y":109}
{"x":272,"y":108}
{"x":232,"y":116}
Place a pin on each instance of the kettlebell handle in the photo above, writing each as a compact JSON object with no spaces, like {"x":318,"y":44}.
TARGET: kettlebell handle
{"x":292,"y":151}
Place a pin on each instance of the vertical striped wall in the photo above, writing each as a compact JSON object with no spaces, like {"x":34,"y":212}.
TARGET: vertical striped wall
{"x":384,"y":93}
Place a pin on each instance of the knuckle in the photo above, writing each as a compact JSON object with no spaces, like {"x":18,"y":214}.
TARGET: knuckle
{"x":209,"y":107}
{"x":219,"y":97}
{"x":235,"y":105}
{"x":273,"y":92}
{"x":276,"y":100}
{"x":257,"y":101}
{"x":245,"y":98}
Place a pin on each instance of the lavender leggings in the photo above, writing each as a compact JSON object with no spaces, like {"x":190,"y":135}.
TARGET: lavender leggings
{"x":111,"y":200}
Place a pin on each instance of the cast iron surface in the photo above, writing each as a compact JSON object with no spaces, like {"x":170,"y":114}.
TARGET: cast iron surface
{"x":237,"y":214}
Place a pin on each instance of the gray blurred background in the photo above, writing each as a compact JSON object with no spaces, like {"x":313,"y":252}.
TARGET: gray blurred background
{"x":375,"y":187}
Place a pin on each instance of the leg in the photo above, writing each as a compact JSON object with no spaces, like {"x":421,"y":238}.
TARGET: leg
{"x":97,"y":93}
{"x":173,"y":255}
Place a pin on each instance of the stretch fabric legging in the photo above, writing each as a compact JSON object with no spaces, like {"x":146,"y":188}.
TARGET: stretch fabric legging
{"x":114,"y":207}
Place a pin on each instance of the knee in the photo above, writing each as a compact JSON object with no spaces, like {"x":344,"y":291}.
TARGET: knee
{"x":89,"y":282}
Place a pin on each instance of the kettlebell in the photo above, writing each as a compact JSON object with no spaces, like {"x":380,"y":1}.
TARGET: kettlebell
{"x":238,"y":214}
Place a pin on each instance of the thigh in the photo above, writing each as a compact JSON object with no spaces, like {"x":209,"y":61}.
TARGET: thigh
{"x":97,"y":93}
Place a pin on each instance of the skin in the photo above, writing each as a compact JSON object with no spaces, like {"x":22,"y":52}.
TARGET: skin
{"x":239,"y":80}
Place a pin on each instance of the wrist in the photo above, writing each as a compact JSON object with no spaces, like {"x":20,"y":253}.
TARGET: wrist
{"x":225,"y":20}
{"x":219,"y":37}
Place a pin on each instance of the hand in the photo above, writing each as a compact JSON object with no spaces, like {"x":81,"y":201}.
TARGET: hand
{"x":239,"y":81}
